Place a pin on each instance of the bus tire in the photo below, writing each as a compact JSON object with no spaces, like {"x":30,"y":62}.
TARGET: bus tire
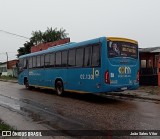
{"x":26,"y":83}
{"x":59,"y":88}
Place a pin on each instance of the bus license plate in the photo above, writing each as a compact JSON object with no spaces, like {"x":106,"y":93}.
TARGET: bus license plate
{"x":124,"y":88}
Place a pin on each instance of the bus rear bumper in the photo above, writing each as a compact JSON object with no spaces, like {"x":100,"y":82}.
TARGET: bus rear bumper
{"x":120,"y":88}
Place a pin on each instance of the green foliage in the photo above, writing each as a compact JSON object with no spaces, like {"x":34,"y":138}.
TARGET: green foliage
{"x":8,"y":77}
{"x":5,"y":127}
{"x":38,"y":37}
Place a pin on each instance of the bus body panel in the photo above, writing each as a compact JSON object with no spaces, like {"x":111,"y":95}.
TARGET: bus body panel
{"x":36,"y":77}
{"x":122,"y":72}
{"x":85,"y":80}
{"x":21,"y":76}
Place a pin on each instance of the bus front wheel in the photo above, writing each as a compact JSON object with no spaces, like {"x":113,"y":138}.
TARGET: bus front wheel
{"x":26,"y":83}
{"x":59,"y":88}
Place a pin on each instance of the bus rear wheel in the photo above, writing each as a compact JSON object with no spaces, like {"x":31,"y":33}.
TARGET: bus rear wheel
{"x":59,"y":88}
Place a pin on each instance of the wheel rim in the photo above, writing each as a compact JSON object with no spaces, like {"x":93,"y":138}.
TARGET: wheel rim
{"x":27,"y":84}
{"x":59,"y":88}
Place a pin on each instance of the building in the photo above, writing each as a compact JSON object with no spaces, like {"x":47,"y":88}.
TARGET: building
{"x":3,"y":69}
{"x":150,"y":66}
{"x":8,"y":68}
{"x":44,"y":46}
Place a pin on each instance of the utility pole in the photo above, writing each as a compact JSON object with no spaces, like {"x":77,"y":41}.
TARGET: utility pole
{"x":7,"y":59}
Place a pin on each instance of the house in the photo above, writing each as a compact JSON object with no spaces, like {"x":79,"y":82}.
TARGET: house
{"x":44,"y":46}
{"x":149,"y":66}
{"x":3,"y":69}
{"x":8,"y":68}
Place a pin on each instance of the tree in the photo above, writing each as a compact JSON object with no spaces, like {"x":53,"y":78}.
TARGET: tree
{"x":20,"y":51}
{"x":38,"y":37}
{"x":51,"y":35}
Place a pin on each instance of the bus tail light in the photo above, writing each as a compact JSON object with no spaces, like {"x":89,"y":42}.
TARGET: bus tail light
{"x":107,"y":79}
{"x":138,"y":76}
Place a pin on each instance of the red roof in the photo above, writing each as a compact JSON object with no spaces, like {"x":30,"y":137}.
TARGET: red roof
{"x":45,"y":46}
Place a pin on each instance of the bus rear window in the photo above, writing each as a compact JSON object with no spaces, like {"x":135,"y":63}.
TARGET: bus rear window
{"x":122,"y":49}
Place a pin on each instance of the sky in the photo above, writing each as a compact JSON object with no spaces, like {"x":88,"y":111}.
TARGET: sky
{"x":82,"y":20}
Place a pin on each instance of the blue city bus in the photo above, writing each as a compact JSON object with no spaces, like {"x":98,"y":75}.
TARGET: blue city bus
{"x":101,"y":65}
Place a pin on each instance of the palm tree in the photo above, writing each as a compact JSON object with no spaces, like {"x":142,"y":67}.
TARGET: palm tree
{"x":38,"y":37}
{"x":51,"y":35}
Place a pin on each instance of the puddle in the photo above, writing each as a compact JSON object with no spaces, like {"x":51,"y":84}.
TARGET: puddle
{"x":9,"y":103}
{"x":35,"y":117}
{"x":39,"y":113}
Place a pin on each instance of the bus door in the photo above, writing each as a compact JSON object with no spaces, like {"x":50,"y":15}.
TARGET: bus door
{"x":36,"y":70}
{"x":22,"y":70}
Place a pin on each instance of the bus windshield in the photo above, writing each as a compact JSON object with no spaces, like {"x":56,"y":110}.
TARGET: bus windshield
{"x":122,"y":49}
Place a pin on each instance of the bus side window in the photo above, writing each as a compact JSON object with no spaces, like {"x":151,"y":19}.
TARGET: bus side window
{"x":96,"y":55}
{"x":30,"y":62}
{"x":52,"y":59}
{"x":38,"y":61}
{"x":87,"y":56}
{"x":71,"y":58}
{"x":42,"y":61}
{"x":64,"y":58}
{"x":58,"y":59}
{"x":47,"y":60}
{"x":25,"y":63}
{"x":79,"y":57}
{"x":34,"y":62}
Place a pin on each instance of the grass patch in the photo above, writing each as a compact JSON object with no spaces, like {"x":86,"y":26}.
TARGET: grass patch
{"x":8,"y":78}
{"x":5,"y":127}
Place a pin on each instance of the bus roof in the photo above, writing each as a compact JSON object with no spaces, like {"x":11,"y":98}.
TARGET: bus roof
{"x":76,"y":44}
{"x":64,"y":46}
{"x":121,"y":39}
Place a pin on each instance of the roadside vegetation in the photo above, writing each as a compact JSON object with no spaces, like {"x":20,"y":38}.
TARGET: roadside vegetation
{"x":8,"y":78}
{"x":5,"y":127}
{"x":38,"y":37}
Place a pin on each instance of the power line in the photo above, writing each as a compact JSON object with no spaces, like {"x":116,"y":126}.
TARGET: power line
{"x":3,"y":53}
{"x":13,"y":34}
{"x":11,"y":52}
{"x":8,"y":52}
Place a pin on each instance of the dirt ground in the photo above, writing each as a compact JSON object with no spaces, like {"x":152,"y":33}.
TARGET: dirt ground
{"x":155,"y":90}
